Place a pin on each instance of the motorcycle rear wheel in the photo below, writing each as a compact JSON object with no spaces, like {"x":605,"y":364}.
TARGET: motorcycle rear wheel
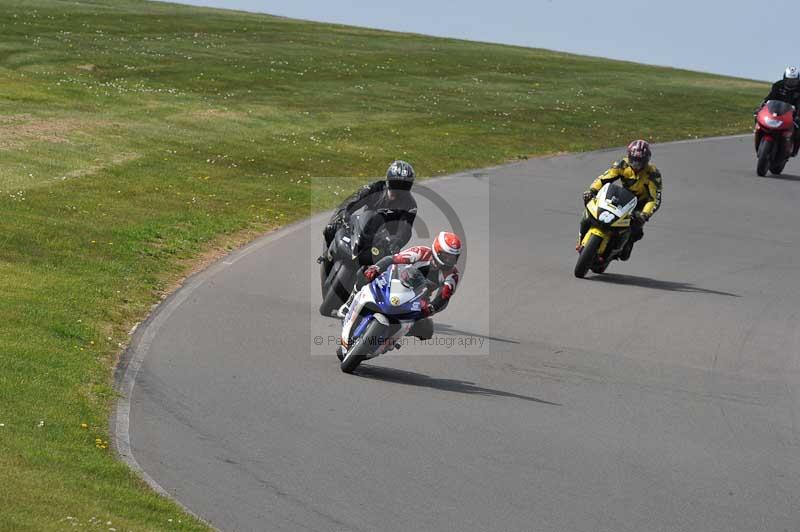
{"x":587,"y":257}
{"x":765,"y":149}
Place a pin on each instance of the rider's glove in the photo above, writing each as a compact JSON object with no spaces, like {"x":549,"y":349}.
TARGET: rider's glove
{"x":640,"y":217}
{"x":371,"y":272}
{"x":329,"y":231}
{"x":588,"y":195}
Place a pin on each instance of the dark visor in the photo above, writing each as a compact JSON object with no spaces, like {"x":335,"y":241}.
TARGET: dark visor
{"x":448,"y":259}
{"x":400,"y":185}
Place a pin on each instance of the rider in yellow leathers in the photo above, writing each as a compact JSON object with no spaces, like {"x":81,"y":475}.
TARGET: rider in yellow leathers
{"x":636,"y":174}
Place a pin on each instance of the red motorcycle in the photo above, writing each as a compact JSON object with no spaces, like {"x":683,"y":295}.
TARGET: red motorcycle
{"x":774,"y":136}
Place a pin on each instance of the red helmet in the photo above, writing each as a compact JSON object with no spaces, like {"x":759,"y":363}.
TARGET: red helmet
{"x":446,"y":249}
{"x":639,"y":154}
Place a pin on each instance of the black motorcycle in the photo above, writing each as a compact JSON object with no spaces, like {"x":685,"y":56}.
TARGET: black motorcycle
{"x":360,"y":242}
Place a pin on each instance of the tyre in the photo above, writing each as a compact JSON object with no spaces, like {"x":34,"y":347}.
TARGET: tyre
{"x":764,"y":155}
{"x":587,"y":256}
{"x":324,"y":270}
{"x":325,"y":266}
{"x":777,"y":168}
{"x":336,"y":291}
{"x":359,"y":352}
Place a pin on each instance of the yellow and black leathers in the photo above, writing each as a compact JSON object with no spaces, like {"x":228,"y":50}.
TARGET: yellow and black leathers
{"x":646,"y":184}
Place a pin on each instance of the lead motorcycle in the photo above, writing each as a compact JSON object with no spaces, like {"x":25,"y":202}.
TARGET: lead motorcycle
{"x":774,"y":136}
{"x":609,"y":216}
{"x":359,"y":242}
{"x":381,"y":314}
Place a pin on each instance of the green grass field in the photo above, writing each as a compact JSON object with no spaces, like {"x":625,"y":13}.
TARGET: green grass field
{"x":136,"y":136}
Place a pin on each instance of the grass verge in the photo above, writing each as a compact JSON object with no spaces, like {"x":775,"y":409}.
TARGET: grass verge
{"x":135,"y":135}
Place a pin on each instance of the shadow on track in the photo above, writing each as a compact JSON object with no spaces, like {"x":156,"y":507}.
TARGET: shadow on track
{"x":409,"y":378}
{"x":784,"y":177}
{"x":447,"y":330}
{"x":646,"y":282}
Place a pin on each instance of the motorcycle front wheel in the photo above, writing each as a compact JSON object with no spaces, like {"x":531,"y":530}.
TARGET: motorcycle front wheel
{"x":361,"y":349}
{"x":764,"y":155}
{"x":335,"y":292}
{"x":587,"y":256}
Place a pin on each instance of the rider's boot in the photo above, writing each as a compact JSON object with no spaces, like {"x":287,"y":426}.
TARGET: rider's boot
{"x":326,"y":254}
{"x":422,"y":329}
{"x":625,"y":254}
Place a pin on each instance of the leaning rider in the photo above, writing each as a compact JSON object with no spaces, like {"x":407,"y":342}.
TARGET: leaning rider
{"x":640,"y":177}
{"x":437,"y":263}
{"x":788,"y":90}
{"x":390,"y":197}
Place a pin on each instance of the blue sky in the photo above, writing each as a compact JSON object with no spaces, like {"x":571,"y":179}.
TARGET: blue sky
{"x":734,"y":37}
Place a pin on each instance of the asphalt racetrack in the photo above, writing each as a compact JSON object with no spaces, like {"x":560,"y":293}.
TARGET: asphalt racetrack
{"x":661,"y":396}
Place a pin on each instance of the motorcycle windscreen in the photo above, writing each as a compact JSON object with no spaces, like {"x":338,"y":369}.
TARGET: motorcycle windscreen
{"x":365,"y":226}
{"x":777,"y":107}
{"x":393,"y":295}
{"x":617,"y":197}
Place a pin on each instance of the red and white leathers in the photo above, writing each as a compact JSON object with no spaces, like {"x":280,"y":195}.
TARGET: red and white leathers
{"x":445,"y":278}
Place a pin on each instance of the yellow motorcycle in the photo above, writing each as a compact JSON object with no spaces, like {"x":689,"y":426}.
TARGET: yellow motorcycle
{"x":609,"y":214}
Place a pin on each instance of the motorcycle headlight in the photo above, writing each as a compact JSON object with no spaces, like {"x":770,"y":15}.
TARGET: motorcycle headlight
{"x":772,"y":122}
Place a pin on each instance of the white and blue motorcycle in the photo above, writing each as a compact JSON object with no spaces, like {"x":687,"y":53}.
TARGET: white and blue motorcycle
{"x":382,"y":313}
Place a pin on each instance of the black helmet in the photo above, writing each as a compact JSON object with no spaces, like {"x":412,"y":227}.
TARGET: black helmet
{"x":400,"y":176}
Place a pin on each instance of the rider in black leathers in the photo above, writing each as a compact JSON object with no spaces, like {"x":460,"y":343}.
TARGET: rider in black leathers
{"x":391,"y":199}
{"x":788,"y":90}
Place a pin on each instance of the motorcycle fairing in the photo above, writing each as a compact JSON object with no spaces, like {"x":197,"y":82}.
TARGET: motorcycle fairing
{"x":387,"y":300}
{"x":392,"y":297}
{"x":775,"y":119}
{"x":608,"y":200}
{"x":608,"y":212}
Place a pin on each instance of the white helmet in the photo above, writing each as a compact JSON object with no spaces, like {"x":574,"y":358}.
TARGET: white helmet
{"x":791,"y":77}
